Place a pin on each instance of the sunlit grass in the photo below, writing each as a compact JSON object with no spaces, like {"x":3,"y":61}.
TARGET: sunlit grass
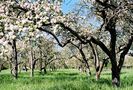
{"x":64,"y":79}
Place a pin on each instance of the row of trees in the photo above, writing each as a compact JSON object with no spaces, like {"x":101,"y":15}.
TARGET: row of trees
{"x":113,"y":36}
{"x":36,"y":52}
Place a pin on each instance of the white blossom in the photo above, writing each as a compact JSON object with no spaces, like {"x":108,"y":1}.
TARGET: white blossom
{"x":13,"y":37}
{"x":53,"y":20}
{"x":26,"y":5}
{"x":5,"y":43}
{"x":25,"y":29}
{"x":15,"y":27}
{"x":47,"y":7}
{"x":24,"y":21}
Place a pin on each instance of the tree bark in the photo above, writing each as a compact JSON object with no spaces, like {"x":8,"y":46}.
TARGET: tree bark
{"x":98,"y":68}
{"x":15,"y":59}
{"x":1,"y":67}
{"x":45,"y":70}
{"x":32,"y":70}
{"x":40,"y":62}
{"x":31,"y":64}
{"x":115,"y":77}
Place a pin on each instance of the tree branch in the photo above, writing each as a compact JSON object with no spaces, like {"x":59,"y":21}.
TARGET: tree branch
{"x":105,"y":4}
{"x":101,"y":45}
{"x":92,"y":39}
{"x":19,"y":7}
{"x":76,"y":58}
{"x":125,"y":51}
{"x":50,"y":61}
{"x":65,"y":27}
{"x":59,"y":43}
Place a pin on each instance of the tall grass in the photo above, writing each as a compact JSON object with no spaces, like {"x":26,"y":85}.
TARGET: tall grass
{"x":64,"y":79}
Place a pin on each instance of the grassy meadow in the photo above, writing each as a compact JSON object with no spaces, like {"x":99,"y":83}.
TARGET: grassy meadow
{"x":64,"y":79}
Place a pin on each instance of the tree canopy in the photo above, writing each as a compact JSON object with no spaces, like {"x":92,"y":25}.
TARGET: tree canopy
{"x":26,"y":19}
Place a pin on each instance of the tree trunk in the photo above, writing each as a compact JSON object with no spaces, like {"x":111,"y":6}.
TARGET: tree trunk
{"x":10,"y":66}
{"x":88,"y":69}
{"x":31,"y":64}
{"x":96,"y":60}
{"x":115,"y":77}
{"x":97,"y":63}
{"x":40,"y":66}
{"x":0,"y":67}
{"x":15,"y":60}
{"x":84,"y":58}
{"x":32,"y":69}
{"x":20,"y":68}
{"x":115,"y":72}
{"x":45,"y":71}
{"x":40,"y":60}
{"x":111,"y":27}
{"x":40,"y":63}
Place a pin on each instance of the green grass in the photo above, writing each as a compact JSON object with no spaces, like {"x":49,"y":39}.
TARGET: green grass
{"x":64,"y":79}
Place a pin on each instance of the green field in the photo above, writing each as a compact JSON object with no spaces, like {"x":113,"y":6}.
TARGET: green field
{"x":64,"y":79}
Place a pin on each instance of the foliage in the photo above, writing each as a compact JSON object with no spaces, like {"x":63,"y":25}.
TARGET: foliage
{"x":23,"y":20}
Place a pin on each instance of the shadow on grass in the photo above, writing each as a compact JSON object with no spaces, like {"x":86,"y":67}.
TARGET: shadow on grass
{"x":109,"y":73}
{"x":24,"y":78}
{"x":125,"y":82}
{"x":50,"y":76}
{"x":6,"y":78}
{"x":66,"y":74}
{"x":104,"y":81}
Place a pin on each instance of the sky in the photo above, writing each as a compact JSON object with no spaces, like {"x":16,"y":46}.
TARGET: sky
{"x":68,"y":5}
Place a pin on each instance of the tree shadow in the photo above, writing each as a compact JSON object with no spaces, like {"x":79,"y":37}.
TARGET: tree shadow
{"x":109,"y":73}
{"x":104,"y":81}
{"x":6,"y":78}
{"x":24,"y":78}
